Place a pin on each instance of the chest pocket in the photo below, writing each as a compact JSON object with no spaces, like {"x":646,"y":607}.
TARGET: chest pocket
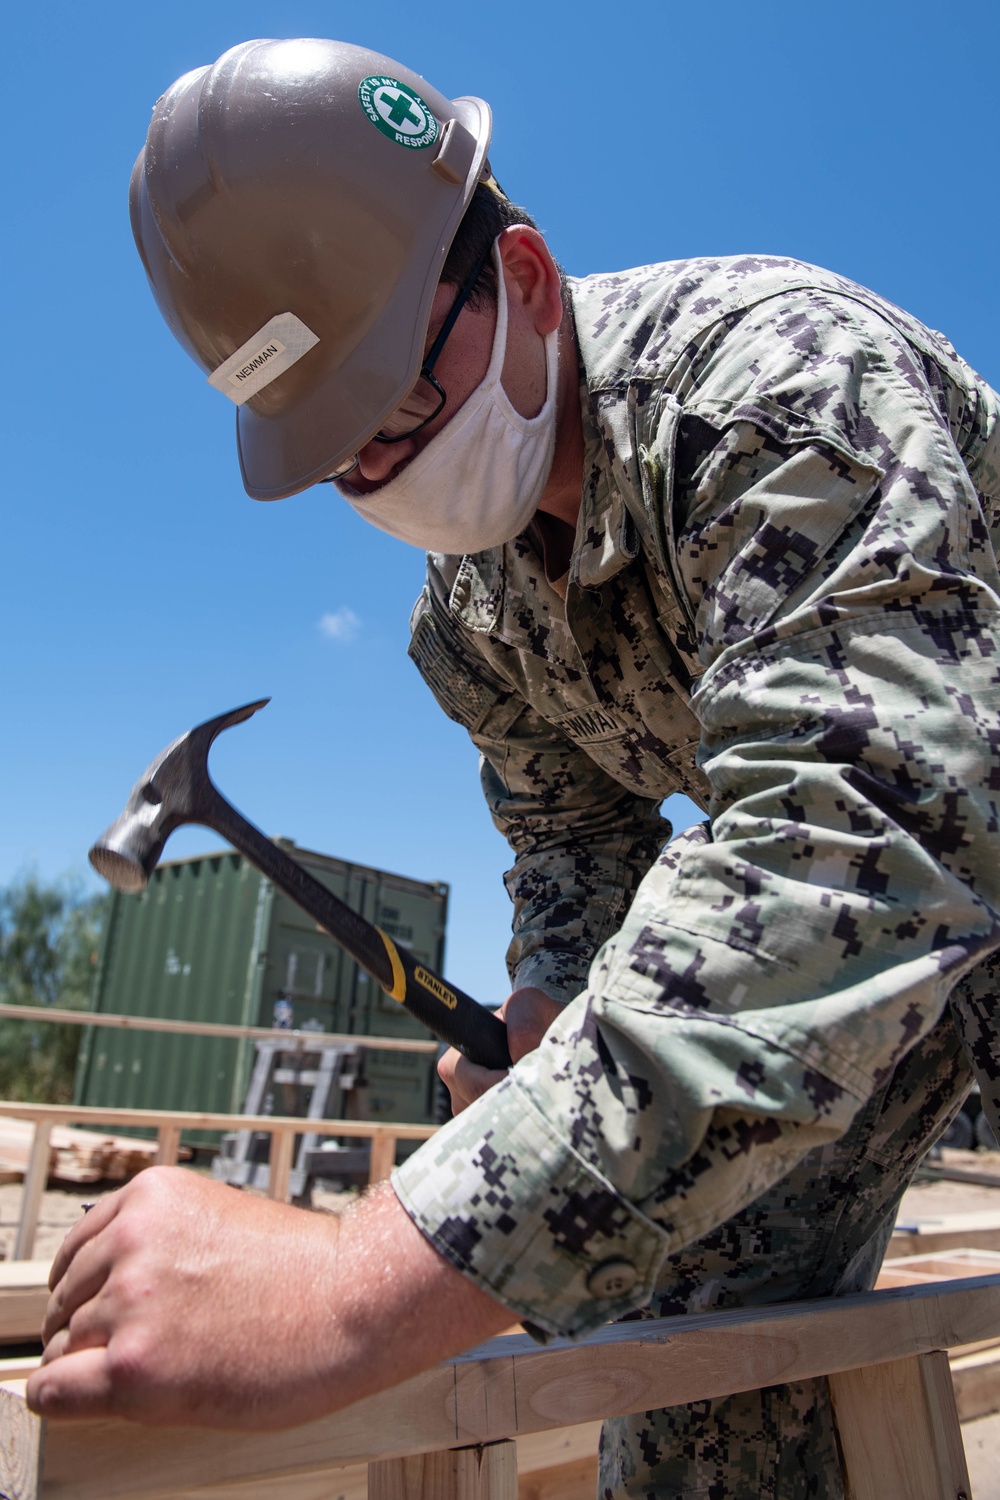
{"x":463,"y":691}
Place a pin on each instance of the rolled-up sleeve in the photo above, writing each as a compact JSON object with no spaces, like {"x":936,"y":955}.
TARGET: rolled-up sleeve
{"x":777,"y":962}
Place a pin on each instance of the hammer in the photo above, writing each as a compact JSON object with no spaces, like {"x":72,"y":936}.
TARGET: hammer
{"x":177,"y":789}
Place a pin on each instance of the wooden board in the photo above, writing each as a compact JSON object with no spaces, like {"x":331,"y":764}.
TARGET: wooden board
{"x":976,"y":1380}
{"x":61,"y":1115}
{"x":306,"y":1040}
{"x":574,"y":1481}
{"x":559,"y":1465}
{"x":944,"y":1240}
{"x":537,"y":1451}
{"x":326,"y":1484}
{"x":19,"y":1368}
{"x":508,"y":1387}
{"x":898,"y":1431}
{"x":478,"y":1473}
{"x":24,"y":1296}
{"x":942,"y":1265}
{"x":970,"y":1231}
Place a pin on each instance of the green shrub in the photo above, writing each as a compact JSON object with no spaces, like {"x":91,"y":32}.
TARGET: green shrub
{"x":48,"y":952}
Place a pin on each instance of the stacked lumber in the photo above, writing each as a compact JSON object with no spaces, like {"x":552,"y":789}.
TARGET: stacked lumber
{"x":75,"y":1155}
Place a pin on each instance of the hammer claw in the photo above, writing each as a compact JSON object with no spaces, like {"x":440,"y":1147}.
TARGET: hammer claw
{"x":174,"y":789}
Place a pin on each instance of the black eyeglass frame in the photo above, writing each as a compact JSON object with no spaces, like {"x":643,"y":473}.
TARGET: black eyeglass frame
{"x":426,"y":369}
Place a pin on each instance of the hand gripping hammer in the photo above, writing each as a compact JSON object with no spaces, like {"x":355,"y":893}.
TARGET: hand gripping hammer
{"x":177,"y":789}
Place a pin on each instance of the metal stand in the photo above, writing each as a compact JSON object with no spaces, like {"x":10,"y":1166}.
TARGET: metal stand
{"x":294,"y":1065}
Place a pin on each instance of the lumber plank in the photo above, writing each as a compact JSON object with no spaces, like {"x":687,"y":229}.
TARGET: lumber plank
{"x":192,"y":1119}
{"x":511,"y":1386}
{"x":979,"y":1230}
{"x":19,"y":1368}
{"x":280,"y":1164}
{"x":34,"y":1186}
{"x":24,"y":1296}
{"x":899,"y":1432}
{"x":561,"y":1445}
{"x":383,"y":1158}
{"x":944,"y":1430}
{"x":20,"y":1447}
{"x":976,"y":1379}
{"x":168,"y":1144}
{"x":975,"y":1347}
{"x":483,"y":1472}
{"x":937,"y":1266}
{"x":572,"y":1481}
{"x":307,"y":1041}
{"x":558,"y":1465}
{"x":350,"y":1483}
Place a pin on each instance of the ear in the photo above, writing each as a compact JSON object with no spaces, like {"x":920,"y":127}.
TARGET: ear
{"x":532,"y":276}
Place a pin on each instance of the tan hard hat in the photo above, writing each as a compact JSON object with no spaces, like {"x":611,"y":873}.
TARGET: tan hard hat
{"x":293,"y":207}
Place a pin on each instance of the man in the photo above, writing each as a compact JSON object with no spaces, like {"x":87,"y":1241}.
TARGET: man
{"x":720,"y":526}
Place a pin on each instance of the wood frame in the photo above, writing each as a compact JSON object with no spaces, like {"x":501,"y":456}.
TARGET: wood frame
{"x":880,"y":1347}
{"x":170,"y":1123}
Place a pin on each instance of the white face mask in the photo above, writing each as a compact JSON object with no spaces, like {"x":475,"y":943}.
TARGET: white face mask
{"x":478,"y":481}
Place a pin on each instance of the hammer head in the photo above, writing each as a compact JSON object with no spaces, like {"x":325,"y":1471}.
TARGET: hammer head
{"x":175,"y":789}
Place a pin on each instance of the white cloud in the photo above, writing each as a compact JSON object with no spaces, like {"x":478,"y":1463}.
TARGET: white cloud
{"x":341,"y":624}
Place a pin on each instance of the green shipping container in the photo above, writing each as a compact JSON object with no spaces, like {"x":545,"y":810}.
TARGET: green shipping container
{"x":211,"y":939}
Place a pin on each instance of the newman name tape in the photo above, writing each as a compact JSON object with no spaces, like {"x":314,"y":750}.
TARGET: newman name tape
{"x":264,"y":356}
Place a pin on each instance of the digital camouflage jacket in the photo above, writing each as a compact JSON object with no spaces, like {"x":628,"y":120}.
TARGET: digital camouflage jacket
{"x":783,"y":601}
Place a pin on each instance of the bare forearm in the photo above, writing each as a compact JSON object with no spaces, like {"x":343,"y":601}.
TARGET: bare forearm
{"x":186,"y":1303}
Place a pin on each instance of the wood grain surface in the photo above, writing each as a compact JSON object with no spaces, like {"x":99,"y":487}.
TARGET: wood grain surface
{"x":899,"y":1433}
{"x":511,"y":1386}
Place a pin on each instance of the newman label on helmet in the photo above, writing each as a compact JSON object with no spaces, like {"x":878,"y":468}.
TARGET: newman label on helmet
{"x":397,"y":111}
{"x":265,"y":356}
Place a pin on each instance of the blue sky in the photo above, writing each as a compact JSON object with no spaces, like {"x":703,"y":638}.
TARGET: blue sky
{"x":144,"y":592}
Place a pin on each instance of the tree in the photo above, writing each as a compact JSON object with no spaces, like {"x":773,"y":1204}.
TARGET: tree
{"x":48,"y":953}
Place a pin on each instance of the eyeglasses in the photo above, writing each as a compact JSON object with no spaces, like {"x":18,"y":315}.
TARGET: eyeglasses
{"x":427,"y":398}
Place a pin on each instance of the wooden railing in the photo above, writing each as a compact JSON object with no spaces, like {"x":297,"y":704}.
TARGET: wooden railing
{"x":450,"y":1434}
{"x":170,"y":1123}
{"x":296,"y":1039}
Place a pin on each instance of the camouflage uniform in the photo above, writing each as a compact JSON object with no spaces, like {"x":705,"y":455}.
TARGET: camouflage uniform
{"x":781,"y":601}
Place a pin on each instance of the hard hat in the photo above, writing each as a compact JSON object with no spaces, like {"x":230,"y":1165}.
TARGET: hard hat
{"x":293,"y":207}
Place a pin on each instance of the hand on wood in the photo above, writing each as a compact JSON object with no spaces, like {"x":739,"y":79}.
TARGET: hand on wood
{"x":178,"y":1301}
{"x":528,"y":1014}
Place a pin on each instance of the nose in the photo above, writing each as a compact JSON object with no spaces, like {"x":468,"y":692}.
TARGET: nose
{"x":377,"y":462}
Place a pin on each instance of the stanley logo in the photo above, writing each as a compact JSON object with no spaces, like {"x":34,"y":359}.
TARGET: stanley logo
{"x":443,"y":993}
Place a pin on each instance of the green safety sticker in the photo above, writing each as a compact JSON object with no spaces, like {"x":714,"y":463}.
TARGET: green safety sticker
{"x":397,"y":111}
